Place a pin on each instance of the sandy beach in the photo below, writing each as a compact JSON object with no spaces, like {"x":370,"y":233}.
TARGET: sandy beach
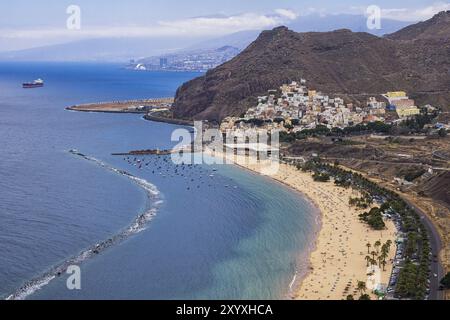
{"x":338,"y":260}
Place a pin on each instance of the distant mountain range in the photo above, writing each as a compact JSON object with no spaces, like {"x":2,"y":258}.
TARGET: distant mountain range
{"x":415,"y":59}
{"x":100,"y":50}
{"x":355,"y":23}
{"x":124,"y":49}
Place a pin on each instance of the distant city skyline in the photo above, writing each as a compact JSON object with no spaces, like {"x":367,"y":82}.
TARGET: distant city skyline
{"x":26,"y":24}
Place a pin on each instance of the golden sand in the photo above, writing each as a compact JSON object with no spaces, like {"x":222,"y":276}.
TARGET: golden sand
{"x":338,"y":261}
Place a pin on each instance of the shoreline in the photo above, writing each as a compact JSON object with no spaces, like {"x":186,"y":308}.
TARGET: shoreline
{"x":181,"y":122}
{"x":303,"y":263}
{"x":103,"y":111}
{"x":325,"y":270}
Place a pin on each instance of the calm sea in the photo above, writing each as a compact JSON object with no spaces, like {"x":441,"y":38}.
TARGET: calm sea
{"x":217,"y":232}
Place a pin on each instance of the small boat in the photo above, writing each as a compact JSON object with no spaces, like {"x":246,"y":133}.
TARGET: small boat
{"x":35,"y":84}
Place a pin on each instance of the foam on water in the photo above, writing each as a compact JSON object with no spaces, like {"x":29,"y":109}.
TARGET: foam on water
{"x":139,"y":224}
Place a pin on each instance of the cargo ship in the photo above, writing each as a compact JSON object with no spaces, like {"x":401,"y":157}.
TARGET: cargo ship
{"x":35,"y":84}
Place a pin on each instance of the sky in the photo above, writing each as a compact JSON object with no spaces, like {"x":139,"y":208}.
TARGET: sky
{"x":26,"y":23}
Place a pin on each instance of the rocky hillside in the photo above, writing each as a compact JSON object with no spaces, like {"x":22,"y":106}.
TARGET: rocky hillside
{"x":435,"y":28}
{"x":415,"y":59}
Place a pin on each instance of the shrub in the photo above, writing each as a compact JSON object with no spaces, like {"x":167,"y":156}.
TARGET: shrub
{"x":373,"y":218}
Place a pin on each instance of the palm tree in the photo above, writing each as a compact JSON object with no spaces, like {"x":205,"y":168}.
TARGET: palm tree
{"x":368,"y":258}
{"x":377,"y":244}
{"x":361,"y":287}
{"x":380,"y":260}
{"x":384,"y":249}
{"x":368,"y":245}
{"x":383,"y":263}
{"x":373,"y":262}
{"x":388,"y":244}
{"x":373,"y":253}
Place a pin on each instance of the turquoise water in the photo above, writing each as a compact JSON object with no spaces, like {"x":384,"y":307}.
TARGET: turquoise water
{"x":234,"y":235}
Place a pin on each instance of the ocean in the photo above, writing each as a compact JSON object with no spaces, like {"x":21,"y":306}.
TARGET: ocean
{"x":148,"y":231}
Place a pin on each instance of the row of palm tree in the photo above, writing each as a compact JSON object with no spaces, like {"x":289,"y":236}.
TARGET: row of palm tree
{"x":381,"y":252}
{"x":377,"y":245}
{"x":417,"y":237}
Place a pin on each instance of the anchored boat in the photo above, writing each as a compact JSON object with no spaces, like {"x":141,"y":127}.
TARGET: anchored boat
{"x":35,"y":84}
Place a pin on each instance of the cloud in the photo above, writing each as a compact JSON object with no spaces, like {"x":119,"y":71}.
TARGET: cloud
{"x":198,"y":26}
{"x":287,"y":13}
{"x":227,"y":24}
{"x":428,"y":12}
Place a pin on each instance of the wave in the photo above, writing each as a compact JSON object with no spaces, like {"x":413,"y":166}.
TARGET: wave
{"x":139,"y":224}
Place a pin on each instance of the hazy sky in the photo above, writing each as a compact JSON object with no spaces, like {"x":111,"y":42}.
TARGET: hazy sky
{"x":27,"y":23}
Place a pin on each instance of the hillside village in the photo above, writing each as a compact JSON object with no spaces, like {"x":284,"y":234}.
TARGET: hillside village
{"x":295,"y":107}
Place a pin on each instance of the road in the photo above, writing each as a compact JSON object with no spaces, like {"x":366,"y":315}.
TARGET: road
{"x":386,"y":162}
{"x":439,"y":155}
{"x":436,"y":246}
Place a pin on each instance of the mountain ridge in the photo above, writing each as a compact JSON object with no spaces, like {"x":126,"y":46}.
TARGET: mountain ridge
{"x":336,"y":62}
{"x":424,"y":30}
